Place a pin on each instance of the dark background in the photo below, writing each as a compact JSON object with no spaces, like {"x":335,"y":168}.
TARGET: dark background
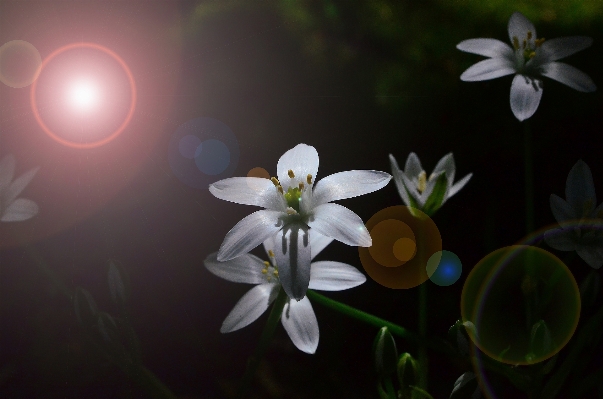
{"x":356,"y":80}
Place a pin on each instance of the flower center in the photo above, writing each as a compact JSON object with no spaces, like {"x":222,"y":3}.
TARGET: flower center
{"x":293,"y":194}
{"x":526,"y":50}
{"x":270,"y":271}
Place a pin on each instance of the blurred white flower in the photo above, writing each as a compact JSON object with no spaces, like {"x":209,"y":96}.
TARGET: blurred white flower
{"x":298,"y":317}
{"x":581,"y":224}
{"x":529,"y":59}
{"x":13,"y":209}
{"x":427,"y":195}
{"x":293,"y":205}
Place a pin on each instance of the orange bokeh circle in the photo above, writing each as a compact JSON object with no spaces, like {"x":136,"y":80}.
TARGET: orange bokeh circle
{"x":400,"y":274}
{"x":128,"y":117}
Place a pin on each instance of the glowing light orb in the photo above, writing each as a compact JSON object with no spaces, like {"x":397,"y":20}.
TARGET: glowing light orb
{"x":444,"y":268}
{"x":83,"y":95}
{"x":20,"y":63}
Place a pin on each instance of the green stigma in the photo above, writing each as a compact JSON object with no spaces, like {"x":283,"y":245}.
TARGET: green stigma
{"x":293,"y":196}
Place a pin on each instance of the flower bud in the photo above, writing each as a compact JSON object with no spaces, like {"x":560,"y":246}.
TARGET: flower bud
{"x":385,"y":352}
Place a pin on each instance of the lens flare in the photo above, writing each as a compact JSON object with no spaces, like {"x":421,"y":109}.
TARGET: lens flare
{"x":83,"y":95}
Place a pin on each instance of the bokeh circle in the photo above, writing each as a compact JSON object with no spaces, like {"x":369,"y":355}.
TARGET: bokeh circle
{"x":402,"y":243}
{"x":444,"y":268}
{"x":203,"y":151}
{"x":20,"y":63}
{"x":508,"y":296}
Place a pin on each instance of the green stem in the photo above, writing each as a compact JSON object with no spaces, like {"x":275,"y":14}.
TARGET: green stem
{"x":389,"y":386}
{"x":422,"y":359}
{"x":529,"y":176}
{"x":265,"y":338}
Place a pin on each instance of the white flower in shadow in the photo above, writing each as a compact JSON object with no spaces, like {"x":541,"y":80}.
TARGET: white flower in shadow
{"x":13,"y":209}
{"x":529,"y":59}
{"x":298,"y":317}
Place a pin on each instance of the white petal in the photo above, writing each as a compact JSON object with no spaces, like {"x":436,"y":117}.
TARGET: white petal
{"x":525,"y":96}
{"x":413,"y":167}
{"x":348,"y":184}
{"x":446,"y":164}
{"x":519,"y":26}
{"x":562,"y":211}
{"x":293,"y":256}
{"x":411,"y":189}
{"x":491,"y":68}
{"x":555,"y":49}
{"x":334,"y":276}
{"x":17,"y":186}
{"x":398,"y":180}
{"x":318,"y":242}
{"x":242,"y":269}
{"x":462,"y":381}
{"x":302,"y":160}
{"x":249,"y":191}
{"x":486,"y":47}
{"x":21,"y":209}
{"x":340,"y":223}
{"x":591,"y":255}
{"x":251,"y":306}
{"x":561,"y":239}
{"x":459,"y":185}
{"x":249,"y":233}
{"x":7,"y":170}
{"x":568,"y":75}
{"x":580,"y":190}
{"x":300,"y":323}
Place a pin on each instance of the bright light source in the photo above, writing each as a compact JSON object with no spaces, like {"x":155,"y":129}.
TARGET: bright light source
{"x":83,"y":95}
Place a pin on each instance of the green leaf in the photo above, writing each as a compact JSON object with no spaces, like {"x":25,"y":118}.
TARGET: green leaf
{"x":385,"y":352}
{"x":434,"y":202}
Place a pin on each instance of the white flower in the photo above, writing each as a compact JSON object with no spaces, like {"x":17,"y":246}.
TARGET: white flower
{"x":298,"y":317}
{"x":581,"y":224}
{"x":529,"y":58}
{"x":293,"y":205}
{"x":13,"y":209}
{"x":417,"y":191}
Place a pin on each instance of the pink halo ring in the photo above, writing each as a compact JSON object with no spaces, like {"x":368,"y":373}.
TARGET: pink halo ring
{"x":132,"y":92}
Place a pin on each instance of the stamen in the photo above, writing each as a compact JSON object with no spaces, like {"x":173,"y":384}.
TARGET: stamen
{"x":515,"y":42}
{"x":301,"y":185}
{"x":422,"y":184}
{"x":270,"y":253}
{"x":291,"y":211}
{"x":529,"y":35}
{"x":264,"y":271}
{"x":524,"y":44}
{"x":539,"y":41}
{"x":267,"y":263}
{"x":275,"y":273}
{"x":275,"y":181}
{"x":291,"y":174}
{"x":309,"y":179}
{"x":280,"y":189}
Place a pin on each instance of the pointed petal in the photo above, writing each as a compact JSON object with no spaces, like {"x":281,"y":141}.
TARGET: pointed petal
{"x":459,"y":185}
{"x":300,"y":323}
{"x":302,"y":160}
{"x":580,"y":190}
{"x":7,"y":170}
{"x":491,"y":68}
{"x":21,"y":209}
{"x":250,"y":232}
{"x":334,"y":276}
{"x":249,"y":191}
{"x":352,"y":183}
{"x":431,"y":184}
{"x":487,"y":47}
{"x":397,"y":173}
{"x":591,"y":255}
{"x":562,"y":211}
{"x":318,"y":242}
{"x":17,"y":186}
{"x":414,"y":195}
{"x":445,"y":164}
{"x":561,"y":239}
{"x":519,"y":26}
{"x":251,"y":306}
{"x":569,"y":76}
{"x":413,"y":166}
{"x":340,"y":223}
{"x":242,"y":269}
{"x":525,"y":96}
{"x":556,"y":49}
{"x":293,"y":256}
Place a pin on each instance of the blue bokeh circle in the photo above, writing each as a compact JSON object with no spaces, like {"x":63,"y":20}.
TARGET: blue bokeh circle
{"x":444,"y":268}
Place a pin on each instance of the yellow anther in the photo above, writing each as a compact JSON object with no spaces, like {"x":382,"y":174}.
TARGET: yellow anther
{"x":309,"y":179}
{"x":301,"y":185}
{"x":275,"y":181}
{"x":270,"y":253}
{"x":524,"y":44}
{"x":422,"y":184}
{"x":291,"y":211}
{"x":532,"y":54}
{"x":280,"y":189}
{"x":264,"y":271}
{"x":291,"y":174}
{"x":539,"y":42}
{"x":275,"y":273}
{"x":267,"y":263}
{"x":515,"y":42}
{"x":529,"y":34}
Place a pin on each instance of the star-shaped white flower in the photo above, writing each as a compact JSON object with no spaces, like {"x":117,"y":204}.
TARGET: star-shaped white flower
{"x":581,"y":223}
{"x":298,"y":317}
{"x":13,"y":209}
{"x":417,"y":191}
{"x":294,"y":204}
{"x":529,"y":59}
